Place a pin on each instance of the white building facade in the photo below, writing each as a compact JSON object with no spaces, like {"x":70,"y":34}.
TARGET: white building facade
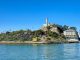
{"x":71,"y":35}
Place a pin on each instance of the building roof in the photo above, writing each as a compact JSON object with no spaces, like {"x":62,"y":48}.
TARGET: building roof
{"x":70,"y":30}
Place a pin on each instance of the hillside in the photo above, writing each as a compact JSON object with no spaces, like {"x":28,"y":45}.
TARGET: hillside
{"x":37,"y":35}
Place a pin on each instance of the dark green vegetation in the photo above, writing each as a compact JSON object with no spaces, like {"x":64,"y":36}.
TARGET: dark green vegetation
{"x":28,"y":35}
{"x":21,"y":35}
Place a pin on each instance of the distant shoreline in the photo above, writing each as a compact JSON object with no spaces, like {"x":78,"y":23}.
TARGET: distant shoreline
{"x":31,"y":42}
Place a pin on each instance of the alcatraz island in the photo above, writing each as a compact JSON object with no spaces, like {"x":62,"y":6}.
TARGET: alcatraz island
{"x":48,"y":33}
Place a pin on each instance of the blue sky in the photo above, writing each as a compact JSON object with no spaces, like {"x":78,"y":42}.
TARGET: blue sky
{"x":31,"y":14}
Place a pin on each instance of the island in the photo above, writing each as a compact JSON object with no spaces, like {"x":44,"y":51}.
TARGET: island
{"x":48,"y":33}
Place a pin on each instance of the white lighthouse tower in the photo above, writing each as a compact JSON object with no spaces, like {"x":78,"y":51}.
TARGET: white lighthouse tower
{"x":46,"y":21}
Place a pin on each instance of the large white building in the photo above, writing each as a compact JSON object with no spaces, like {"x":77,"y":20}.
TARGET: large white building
{"x":71,"y":35}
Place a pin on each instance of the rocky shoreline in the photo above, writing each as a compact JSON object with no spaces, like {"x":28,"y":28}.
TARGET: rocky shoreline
{"x":31,"y":42}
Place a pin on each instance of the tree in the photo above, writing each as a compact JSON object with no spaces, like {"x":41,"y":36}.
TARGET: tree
{"x":7,"y":32}
{"x":65,"y":27}
{"x":38,"y":32}
{"x":53,"y":34}
{"x":74,"y":28}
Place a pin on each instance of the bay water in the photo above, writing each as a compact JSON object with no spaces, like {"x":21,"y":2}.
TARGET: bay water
{"x":40,"y":51}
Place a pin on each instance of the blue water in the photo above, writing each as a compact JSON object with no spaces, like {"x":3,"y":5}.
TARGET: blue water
{"x":40,"y":51}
